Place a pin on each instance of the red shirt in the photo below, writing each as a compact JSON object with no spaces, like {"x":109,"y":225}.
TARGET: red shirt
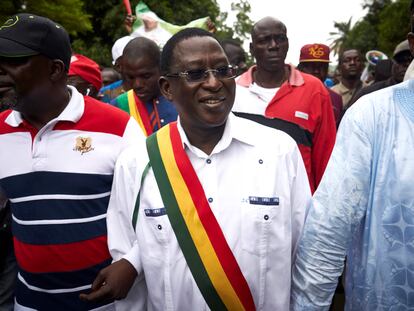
{"x":305,"y":101}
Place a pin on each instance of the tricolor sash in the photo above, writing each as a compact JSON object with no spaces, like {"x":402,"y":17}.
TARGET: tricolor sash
{"x":209,"y":257}
{"x":130,"y":103}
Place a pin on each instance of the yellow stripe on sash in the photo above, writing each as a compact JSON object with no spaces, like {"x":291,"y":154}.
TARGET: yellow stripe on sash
{"x":133,"y":111}
{"x":201,"y":240}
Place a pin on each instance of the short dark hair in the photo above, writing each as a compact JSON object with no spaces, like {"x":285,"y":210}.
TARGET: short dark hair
{"x":341,"y":56}
{"x":141,"y":46}
{"x":169,"y":47}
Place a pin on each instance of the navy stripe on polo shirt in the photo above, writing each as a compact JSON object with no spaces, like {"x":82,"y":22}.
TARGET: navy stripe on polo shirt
{"x":62,"y":280}
{"x":43,"y":183}
{"x":60,"y":209}
{"x":58,"y":233}
{"x":46,"y":301}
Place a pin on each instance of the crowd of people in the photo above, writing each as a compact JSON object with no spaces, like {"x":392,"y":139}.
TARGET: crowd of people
{"x":181,"y":179}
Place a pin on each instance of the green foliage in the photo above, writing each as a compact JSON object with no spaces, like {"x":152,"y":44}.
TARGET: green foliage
{"x":340,"y":36}
{"x":361,"y":37}
{"x":94,"y":25}
{"x":394,"y":25}
{"x":384,"y":26}
{"x":243,"y":24}
{"x":69,"y":13}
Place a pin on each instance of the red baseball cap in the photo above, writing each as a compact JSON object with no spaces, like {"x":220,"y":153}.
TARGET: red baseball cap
{"x":87,"y":69}
{"x":314,"y":53}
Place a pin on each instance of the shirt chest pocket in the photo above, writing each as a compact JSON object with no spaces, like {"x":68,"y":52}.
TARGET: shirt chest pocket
{"x":158,"y":232}
{"x":261,"y":226}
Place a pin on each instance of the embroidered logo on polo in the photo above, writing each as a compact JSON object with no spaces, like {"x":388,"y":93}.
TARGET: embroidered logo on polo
{"x":155,"y":212}
{"x":264,"y":201}
{"x":83,"y":145}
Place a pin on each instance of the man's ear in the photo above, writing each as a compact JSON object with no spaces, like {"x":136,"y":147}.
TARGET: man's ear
{"x":165,"y":88}
{"x":57,"y":70}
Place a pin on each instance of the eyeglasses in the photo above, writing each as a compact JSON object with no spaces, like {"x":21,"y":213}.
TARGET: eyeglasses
{"x":201,"y":75}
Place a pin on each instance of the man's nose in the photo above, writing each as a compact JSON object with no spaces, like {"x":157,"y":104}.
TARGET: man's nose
{"x":212,"y":81}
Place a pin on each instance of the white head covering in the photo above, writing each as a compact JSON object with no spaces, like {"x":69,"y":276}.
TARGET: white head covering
{"x":118,"y":47}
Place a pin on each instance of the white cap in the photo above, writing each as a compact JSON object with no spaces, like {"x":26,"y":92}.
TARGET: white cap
{"x":119,"y":46}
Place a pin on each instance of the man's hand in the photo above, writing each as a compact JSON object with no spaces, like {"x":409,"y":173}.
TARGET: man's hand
{"x":112,"y":283}
{"x":211,"y":27}
{"x":128,"y":22}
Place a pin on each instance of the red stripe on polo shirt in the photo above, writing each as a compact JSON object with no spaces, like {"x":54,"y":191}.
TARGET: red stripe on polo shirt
{"x":98,"y":117}
{"x":61,"y":257}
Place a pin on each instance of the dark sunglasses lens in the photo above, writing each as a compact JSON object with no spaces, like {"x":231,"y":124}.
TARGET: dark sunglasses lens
{"x":226,"y":72}
{"x":195,"y":75}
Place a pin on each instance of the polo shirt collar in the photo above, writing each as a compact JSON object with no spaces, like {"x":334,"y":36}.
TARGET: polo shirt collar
{"x":72,"y":112}
{"x":295,"y":76}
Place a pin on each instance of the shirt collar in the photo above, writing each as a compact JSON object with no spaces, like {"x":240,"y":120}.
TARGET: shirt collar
{"x":295,"y":76}
{"x":234,"y":130}
{"x":72,"y":112}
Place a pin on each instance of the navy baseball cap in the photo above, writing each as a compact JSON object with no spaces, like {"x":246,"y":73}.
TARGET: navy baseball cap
{"x":28,"y":34}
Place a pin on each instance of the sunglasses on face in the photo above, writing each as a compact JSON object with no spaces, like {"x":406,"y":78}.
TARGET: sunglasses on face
{"x":201,"y":75}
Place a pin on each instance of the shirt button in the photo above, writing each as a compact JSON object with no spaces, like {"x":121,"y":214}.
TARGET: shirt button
{"x":162,"y":121}
{"x":159,"y":227}
{"x":266,"y":217}
{"x":208,"y":161}
{"x":210,"y":200}
{"x":260,"y":161}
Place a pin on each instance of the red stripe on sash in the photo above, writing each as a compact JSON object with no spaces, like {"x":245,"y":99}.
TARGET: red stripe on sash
{"x":213,"y":229}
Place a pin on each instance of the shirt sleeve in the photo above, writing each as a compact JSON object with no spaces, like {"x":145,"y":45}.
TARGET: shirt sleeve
{"x":122,"y":241}
{"x":338,"y":207}
{"x":323,"y":138}
{"x":133,"y":135}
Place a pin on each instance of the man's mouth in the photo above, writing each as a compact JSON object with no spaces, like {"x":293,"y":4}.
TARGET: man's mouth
{"x":212,"y":100}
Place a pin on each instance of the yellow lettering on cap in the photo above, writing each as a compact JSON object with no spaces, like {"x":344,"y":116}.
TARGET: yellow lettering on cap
{"x":10,"y":22}
{"x":316,"y":51}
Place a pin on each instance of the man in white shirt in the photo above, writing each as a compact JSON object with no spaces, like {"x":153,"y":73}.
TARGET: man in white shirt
{"x":217,"y":211}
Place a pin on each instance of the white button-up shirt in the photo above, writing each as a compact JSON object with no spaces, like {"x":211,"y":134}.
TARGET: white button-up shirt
{"x":249,"y":163}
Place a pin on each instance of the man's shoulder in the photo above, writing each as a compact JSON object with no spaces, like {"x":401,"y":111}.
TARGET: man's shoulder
{"x":313,"y":82}
{"x":100,"y":117}
{"x":381,"y":102}
{"x":263,"y":136}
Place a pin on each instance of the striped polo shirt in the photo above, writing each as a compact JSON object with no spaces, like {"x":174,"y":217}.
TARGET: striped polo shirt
{"x":58,"y":180}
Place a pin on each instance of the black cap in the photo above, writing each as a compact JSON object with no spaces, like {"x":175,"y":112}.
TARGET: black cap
{"x":28,"y":34}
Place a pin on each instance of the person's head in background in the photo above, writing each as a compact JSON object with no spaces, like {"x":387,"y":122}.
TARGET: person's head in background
{"x":235,"y":54}
{"x":383,"y":70}
{"x":141,"y":68}
{"x":314,"y":60}
{"x":35,"y":55}
{"x":85,"y":75}
{"x":117,"y":51}
{"x":350,"y":66}
{"x":401,"y":58}
{"x":109,"y":76}
{"x":269,"y":45}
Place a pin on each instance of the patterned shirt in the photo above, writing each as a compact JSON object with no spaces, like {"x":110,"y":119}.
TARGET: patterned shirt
{"x":364,"y":210}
